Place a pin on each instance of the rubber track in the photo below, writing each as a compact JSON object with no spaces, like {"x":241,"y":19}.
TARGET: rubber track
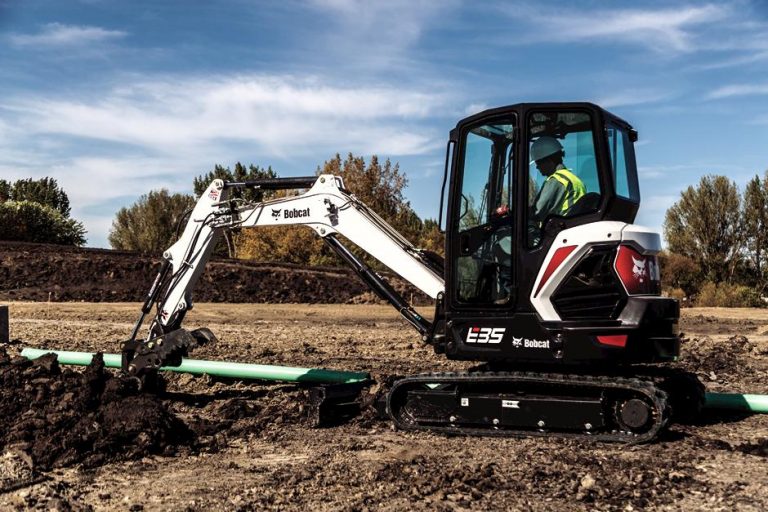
{"x":658,"y":398}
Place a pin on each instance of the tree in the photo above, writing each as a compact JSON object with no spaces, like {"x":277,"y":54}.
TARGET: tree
{"x":678,"y":271}
{"x":755,"y":225}
{"x":431,"y":238}
{"x":240,"y":174}
{"x":5,"y":191}
{"x":37,"y":211}
{"x":28,"y":221}
{"x":704,"y":226}
{"x":378,"y":186}
{"x":149,"y":225}
{"x":45,"y":191}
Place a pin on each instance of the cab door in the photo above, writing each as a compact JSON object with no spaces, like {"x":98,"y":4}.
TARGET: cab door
{"x":481,"y":238}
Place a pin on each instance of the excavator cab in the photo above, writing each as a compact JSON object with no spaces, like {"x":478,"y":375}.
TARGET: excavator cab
{"x":542,"y":260}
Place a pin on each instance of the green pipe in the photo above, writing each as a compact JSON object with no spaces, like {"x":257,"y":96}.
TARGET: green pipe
{"x":737,"y":401}
{"x":217,"y":368}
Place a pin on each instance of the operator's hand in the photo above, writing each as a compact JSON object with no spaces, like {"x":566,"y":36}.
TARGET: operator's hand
{"x":501,"y":211}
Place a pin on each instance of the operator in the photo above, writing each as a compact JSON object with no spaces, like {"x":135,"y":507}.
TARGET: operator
{"x":562,"y":188}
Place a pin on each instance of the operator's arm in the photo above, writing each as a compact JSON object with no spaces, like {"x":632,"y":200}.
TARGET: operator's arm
{"x":550,"y":200}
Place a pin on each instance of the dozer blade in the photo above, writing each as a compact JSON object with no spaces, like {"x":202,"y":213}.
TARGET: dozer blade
{"x":334,"y":404}
{"x":140,"y":357}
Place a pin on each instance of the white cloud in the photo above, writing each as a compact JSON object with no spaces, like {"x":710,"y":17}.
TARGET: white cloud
{"x":736,"y":61}
{"x":93,"y":180}
{"x":632,"y":97}
{"x":475,"y":108}
{"x":371,"y":34}
{"x":394,"y":20}
{"x":161,"y":133}
{"x":57,"y":34}
{"x":278,"y":114}
{"x":662,"y":30}
{"x":730,"y":91}
{"x":660,"y":202}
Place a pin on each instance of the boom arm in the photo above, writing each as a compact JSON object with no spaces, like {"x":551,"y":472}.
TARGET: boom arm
{"x":326,"y":207}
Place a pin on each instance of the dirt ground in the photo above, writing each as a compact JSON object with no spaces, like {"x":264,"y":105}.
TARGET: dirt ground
{"x":254,"y":451}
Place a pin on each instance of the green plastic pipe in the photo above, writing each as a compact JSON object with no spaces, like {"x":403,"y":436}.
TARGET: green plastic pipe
{"x":737,"y":402}
{"x":217,"y":368}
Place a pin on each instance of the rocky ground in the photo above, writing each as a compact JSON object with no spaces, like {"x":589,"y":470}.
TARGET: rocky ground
{"x":79,"y":440}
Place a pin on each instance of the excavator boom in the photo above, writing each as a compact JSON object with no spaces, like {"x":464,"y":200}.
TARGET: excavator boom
{"x":326,"y":207}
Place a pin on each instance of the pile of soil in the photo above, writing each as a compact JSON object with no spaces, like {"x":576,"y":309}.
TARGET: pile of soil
{"x":58,"y":417}
{"x":733,"y":365}
{"x":39,"y":272}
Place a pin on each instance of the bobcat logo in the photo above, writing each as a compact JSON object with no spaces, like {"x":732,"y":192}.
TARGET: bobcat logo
{"x":639,"y":269}
{"x":275,"y":213}
{"x":517,"y":342}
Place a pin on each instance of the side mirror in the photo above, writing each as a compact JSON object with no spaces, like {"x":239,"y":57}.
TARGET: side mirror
{"x":633,"y":135}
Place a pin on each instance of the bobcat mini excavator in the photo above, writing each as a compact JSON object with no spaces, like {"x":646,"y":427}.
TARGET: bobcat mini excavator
{"x":562,"y":309}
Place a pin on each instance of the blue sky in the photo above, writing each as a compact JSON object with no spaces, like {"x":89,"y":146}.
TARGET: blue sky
{"x":116,"y":98}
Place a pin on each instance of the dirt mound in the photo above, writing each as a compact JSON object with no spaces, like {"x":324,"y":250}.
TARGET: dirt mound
{"x":731,"y":363}
{"x":61,"y":417}
{"x":39,"y":272}
{"x":702,"y":324}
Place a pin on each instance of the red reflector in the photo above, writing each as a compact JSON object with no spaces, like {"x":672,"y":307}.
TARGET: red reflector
{"x":639,"y":274}
{"x":557,"y":259}
{"x":616,"y":340}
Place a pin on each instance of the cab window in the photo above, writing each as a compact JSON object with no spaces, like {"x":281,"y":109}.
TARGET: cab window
{"x":623,"y":162}
{"x":562,"y":178}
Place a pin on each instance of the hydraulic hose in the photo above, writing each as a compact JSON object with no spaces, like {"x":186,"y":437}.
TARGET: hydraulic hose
{"x":217,"y":368}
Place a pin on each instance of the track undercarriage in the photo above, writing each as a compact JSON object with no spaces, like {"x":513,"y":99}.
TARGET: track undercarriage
{"x":612,"y":408}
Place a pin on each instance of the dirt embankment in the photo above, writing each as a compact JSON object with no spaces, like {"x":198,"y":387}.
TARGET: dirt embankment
{"x":61,"y":417}
{"x":40,"y":272}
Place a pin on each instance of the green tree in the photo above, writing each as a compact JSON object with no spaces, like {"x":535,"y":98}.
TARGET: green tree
{"x":678,"y":271}
{"x":704,"y":226}
{"x":45,"y":191}
{"x":149,"y":225}
{"x":239,"y":173}
{"x":431,"y":238}
{"x":28,"y":221}
{"x":380,"y":186}
{"x":230,"y":240}
{"x":755,"y":216}
{"x":5,"y":191}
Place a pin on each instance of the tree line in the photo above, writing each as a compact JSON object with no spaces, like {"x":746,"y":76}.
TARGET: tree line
{"x":717,"y":243}
{"x":37,"y":211}
{"x":150,"y":224}
{"x":716,"y":236}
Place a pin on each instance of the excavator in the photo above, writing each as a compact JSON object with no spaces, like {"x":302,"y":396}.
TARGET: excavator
{"x":561,"y":308}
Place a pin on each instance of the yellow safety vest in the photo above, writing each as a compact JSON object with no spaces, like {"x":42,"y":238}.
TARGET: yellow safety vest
{"x":574,"y":187}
